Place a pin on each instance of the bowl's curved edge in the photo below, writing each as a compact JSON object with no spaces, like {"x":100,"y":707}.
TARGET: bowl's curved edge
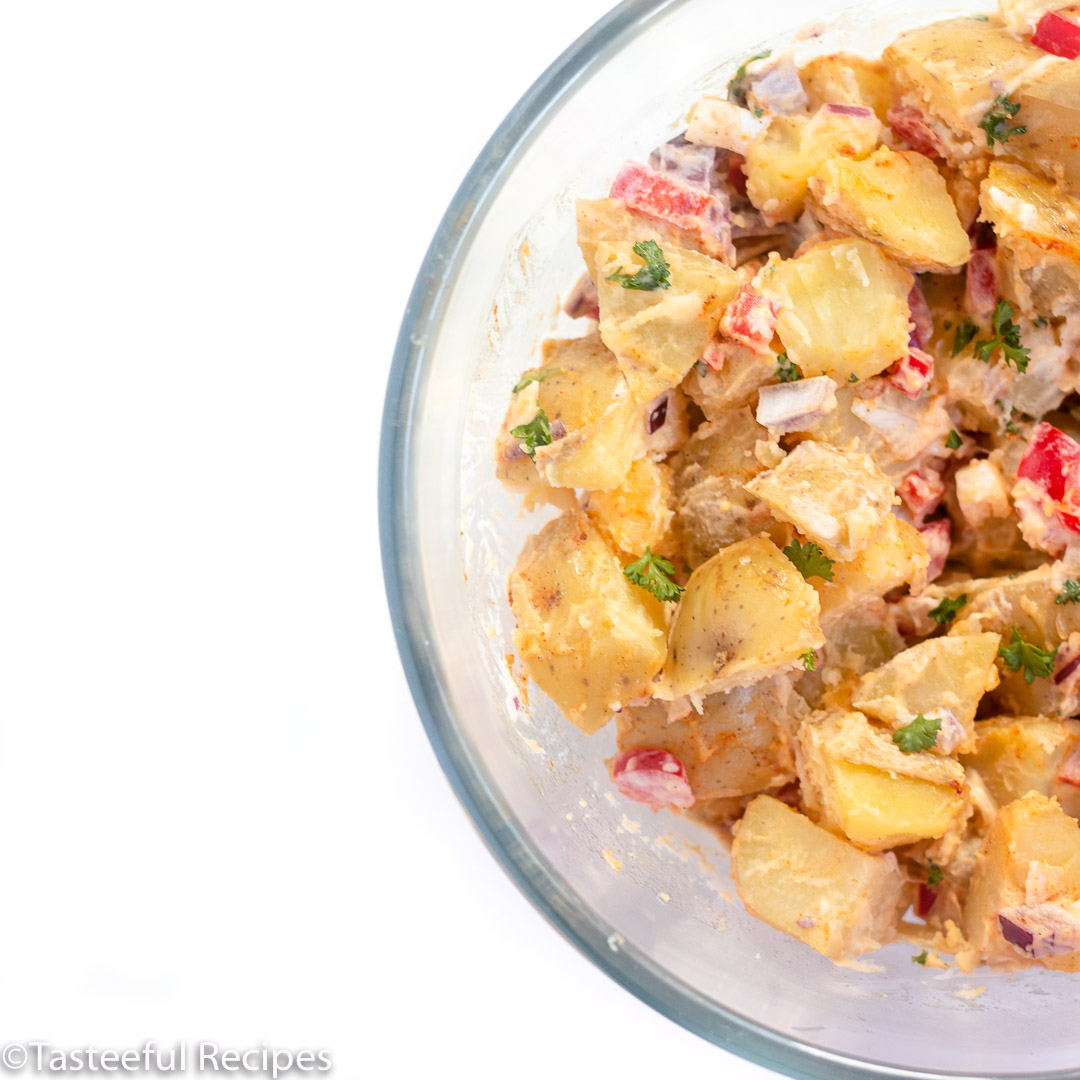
{"x":523,"y":863}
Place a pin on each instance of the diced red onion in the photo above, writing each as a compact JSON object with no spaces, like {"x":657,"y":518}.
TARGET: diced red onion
{"x":653,"y":777}
{"x":937,"y":536}
{"x":912,"y":128}
{"x":841,"y":109}
{"x":981,"y":289}
{"x":920,"y":316}
{"x":925,"y":900}
{"x":778,"y":89}
{"x":687,"y":162}
{"x":558,"y":429}
{"x":657,"y":415}
{"x":1040,"y":930}
{"x":796,"y":406}
{"x":583,"y":301}
{"x":1066,"y":671}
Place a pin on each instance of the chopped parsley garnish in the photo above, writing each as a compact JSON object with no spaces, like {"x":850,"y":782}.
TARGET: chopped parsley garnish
{"x":701,"y":368}
{"x":947,"y":324}
{"x":920,"y":734}
{"x":853,"y":377}
{"x":1035,"y":661}
{"x":1070,"y":593}
{"x":537,"y":432}
{"x":948,"y":609}
{"x":921,"y":958}
{"x":786,"y":371}
{"x":996,"y":122}
{"x":809,"y":659}
{"x":965,"y":331}
{"x":759,"y":112}
{"x":653,"y":573}
{"x":934,"y":874}
{"x":655,"y":274}
{"x":809,"y":560}
{"x":954,"y":442}
{"x":1040,"y":321}
{"x":736,"y":88}
{"x":533,"y":376}
{"x":1006,"y":337}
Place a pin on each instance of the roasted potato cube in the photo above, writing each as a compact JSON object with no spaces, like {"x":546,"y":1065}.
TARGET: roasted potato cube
{"x":782,"y":159}
{"x":954,"y":69}
{"x":847,"y":80}
{"x":1026,"y":880}
{"x":1038,"y":229}
{"x":899,"y":200}
{"x":746,"y":614}
{"x":845,"y":309}
{"x":856,"y":779}
{"x":1018,"y":754}
{"x":638,"y":512}
{"x":1050,"y":110}
{"x":812,"y":885}
{"x":896,"y":557}
{"x":590,"y":639}
{"x":712,"y":508}
{"x":943,"y":673}
{"x":581,"y":391}
{"x":739,"y":744}
{"x":836,"y":498}
{"x":658,"y":334}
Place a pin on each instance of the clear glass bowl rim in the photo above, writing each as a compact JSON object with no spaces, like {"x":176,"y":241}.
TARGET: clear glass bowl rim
{"x":504,"y":837}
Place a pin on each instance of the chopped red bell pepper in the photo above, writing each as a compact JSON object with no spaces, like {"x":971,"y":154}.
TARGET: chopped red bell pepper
{"x":920,"y":316}
{"x":750,"y":320}
{"x":938,"y":538}
{"x":1052,"y":461}
{"x":922,"y":491}
{"x":912,"y":129}
{"x":912,"y":373}
{"x":1059,"y":34}
{"x":925,"y":900}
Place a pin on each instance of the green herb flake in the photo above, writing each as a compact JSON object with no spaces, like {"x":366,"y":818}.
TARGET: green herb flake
{"x":921,"y":958}
{"x":954,"y":442}
{"x":947,"y":324}
{"x":737,"y":87}
{"x":653,"y":573}
{"x":534,"y":376}
{"x":809,"y":659}
{"x":934,"y":874}
{"x":537,"y":432}
{"x":948,"y":609}
{"x":655,"y":274}
{"x":1040,"y":321}
{"x":965,"y":331}
{"x":919,"y":735}
{"x":1035,"y":661}
{"x":701,"y":368}
{"x":996,"y":122}
{"x":759,"y":112}
{"x":786,"y":371}
{"x":1006,"y":337}
{"x":1070,"y":593}
{"x":809,"y":560}
{"x":853,"y":377}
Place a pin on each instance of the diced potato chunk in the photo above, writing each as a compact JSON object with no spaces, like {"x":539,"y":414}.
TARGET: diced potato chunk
{"x":590,"y":639}
{"x":954,"y":70}
{"x":845,"y":309}
{"x":583,"y":390}
{"x":712,"y":508}
{"x":746,"y":614}
{"x":1029,"y":859}
{"x":836,"y":498}
{"x":856,"y":779}
{"x":942,"y":673}
{"x":1018,"y":754}
{"x":738,"y":745}
{"x":812,"y":885}
{"x":783,"y":158}
{"x":638,"y":512}
{"x":1038,"y":229}
{"x":899,"y":200}
{"x":658,"y":334}
{"x":847,"y":80}
{"x":981,"y":492}
{"x":1050,"y":110}
{"x":736,"y":384}
{"x":896,"y":557}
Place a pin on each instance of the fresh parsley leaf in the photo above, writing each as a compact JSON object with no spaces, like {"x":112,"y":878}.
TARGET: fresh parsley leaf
{"x":737,"y":87}
{"x":701,"y":368}
{"x":533,"y":376}
{"x":1006,"y":337}
{"x":853,"y":377}
{"x":1040,"y":320}
{"x":809,"y":560}
{"x":786,"y":371}
{"x":934,"y":875}
{"x":653,"y":574}
{"x":537,"y":432}
{"x":1035,"y":661}
{"x":655,"y":274}
{"x":920,"y":734}
{"x":921,"y":958}
{"x":948,"y":609}
{"x":996,"y":122}
{"x":1070,"y":593}
{"x":759,"y":112}
{"x":965,"y":331}
{"x":809,"y":659}
{"x":954,"y":442}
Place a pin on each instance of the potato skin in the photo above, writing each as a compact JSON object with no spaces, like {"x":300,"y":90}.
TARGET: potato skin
{"x":590,"y":639}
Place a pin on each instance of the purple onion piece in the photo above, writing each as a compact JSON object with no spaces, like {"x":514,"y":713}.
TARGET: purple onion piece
{"x":1015,"y":935}
{"x":658,"y":416}
{"x":691,"y":164}
{"x":558,"y":429}
{"x":1040,"y":930}
{"x":1067,"y":670}
{"x":583,"y":299}
{"x":849,"y":110}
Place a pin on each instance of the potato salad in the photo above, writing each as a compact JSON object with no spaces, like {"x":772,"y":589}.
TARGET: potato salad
{"x":814,"y":465}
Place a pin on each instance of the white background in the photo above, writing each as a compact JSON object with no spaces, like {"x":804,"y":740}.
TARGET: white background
{"x":220,"y":815}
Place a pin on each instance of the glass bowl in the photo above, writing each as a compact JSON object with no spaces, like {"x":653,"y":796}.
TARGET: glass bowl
{"x":646,"y":896}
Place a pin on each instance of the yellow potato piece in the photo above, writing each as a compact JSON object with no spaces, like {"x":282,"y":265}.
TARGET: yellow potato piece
{"x":638,"y":512}
{"x":847,"y":80}
{"x":899,"y":200}
{"x":1050,"y":110}
{"x":812,"y":885}
{"x":844,"y":308}
{"x":746,"y":614}
{"x":590,"y":639}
